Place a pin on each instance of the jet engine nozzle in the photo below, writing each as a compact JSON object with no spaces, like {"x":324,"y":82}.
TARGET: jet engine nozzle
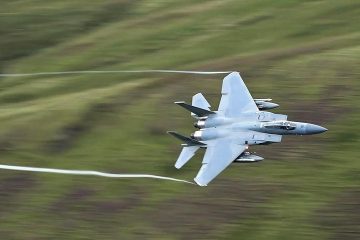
{"x":207,"y":134}
{"x":199,"y":124}
{"x":196,"y":135}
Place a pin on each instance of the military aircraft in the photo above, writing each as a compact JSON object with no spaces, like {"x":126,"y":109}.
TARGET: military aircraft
{"x":227,"y":133}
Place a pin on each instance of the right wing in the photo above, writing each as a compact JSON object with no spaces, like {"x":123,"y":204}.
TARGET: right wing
{"x":236,"y":98}
{"x":217,"y":157}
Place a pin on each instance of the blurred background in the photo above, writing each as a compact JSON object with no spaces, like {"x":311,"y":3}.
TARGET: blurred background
{"x":303,"y":54}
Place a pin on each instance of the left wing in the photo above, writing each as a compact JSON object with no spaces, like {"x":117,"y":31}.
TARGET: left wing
{"x":217,"y":157}
{"x":236,"y":98}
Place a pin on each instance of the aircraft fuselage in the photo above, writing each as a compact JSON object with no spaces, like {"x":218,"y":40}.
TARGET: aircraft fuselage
{"x":254,"y":128}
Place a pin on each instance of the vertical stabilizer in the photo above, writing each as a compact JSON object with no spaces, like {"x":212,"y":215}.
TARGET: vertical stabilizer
{"x":186,"y":154}
{"x":198,"y":100}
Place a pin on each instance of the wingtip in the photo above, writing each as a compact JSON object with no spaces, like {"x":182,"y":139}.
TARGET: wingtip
{"x":234,"y":73}
{"x":199,"y":183}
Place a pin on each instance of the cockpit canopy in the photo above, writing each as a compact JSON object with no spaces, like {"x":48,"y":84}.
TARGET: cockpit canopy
{"x":284,"y":125}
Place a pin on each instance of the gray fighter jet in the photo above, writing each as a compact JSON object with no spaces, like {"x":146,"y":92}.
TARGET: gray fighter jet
{"x":227,"y":133}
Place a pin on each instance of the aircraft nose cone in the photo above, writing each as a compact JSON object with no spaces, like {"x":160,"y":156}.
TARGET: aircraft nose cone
{"x":314,"y":129}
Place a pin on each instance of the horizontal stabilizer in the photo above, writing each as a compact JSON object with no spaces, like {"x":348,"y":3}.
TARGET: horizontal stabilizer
{"x":186,"y":154}
{"x":187,"y":140}
{"x":198,"y":111}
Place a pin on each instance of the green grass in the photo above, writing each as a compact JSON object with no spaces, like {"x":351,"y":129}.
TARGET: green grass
{"x":303,"y":54}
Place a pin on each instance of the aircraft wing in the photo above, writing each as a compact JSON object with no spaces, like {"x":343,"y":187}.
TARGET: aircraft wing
{"x":217,"y":157}
{"x":236,"y":98}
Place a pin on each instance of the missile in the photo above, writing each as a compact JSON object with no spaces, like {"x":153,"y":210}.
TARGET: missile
{"x":265,"y":103}
{"x":248,"y":157}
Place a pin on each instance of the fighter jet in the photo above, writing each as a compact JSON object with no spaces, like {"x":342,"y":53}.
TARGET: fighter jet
{"x":228,"y":132}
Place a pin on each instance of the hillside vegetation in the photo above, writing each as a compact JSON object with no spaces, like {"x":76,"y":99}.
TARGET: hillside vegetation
{"x":303,"y":54}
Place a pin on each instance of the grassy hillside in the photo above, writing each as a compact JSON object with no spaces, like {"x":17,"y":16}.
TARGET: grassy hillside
{"x":303,"y":54}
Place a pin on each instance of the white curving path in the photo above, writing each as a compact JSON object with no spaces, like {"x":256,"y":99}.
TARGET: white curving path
{"x":111,"y":71}
{"x":86,"y":172}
